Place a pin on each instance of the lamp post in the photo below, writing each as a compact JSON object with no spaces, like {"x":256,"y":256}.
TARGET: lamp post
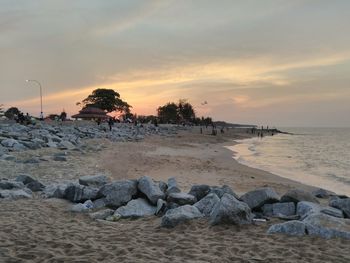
{"x":41,"y":97}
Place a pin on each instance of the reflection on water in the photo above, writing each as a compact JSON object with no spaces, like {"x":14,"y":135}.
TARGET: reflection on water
{"x":315,"y":156}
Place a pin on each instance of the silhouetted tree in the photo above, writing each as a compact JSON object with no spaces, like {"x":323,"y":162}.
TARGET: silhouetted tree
{"x":186,"y":111}
{"x":12,"y":112}
{"x":168,"y":113}
{"x":106,"y":99}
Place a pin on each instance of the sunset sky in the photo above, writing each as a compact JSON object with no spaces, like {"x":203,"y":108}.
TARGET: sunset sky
{"x":271,"y":62}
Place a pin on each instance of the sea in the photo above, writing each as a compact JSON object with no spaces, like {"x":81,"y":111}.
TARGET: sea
{"x":315,"y":156}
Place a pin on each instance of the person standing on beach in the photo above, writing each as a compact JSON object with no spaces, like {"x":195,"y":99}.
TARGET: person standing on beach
{"x":110,"y":123}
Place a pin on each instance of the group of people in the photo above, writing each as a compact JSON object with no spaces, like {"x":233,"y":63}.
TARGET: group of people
{"x":24,"y":119}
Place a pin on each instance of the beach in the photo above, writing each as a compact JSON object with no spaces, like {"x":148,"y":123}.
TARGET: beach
{"x":43,"y":230}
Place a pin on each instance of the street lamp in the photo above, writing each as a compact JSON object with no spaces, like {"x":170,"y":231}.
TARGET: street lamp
{"x":41,"y":97}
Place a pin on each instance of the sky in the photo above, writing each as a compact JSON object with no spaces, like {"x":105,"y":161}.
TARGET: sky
{"x":272,"y":62}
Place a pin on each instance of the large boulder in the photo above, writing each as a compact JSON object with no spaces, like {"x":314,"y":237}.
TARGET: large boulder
{"x":279,"y":209}
{"x":118,"y":193}
{"x":304,"y":209}
{"x":199,"y":191}
{"x":93,"y":180}
{"x":206,"y":204}
{"x":257,"y":198}
{"x":220,"y":191}
{"x":55,"y":190}
{"x":151,"y":189}
{"x":82,"y":207}
{"x":181,"y":199}
{"x":297,"y":195}
{"x":15,"y":194}
{"x":35,"y":186}
{"x":180,"y":215}
{"x":342,"y":204}
{"x":322,"y":193}
{"x":79,"y":193}
{"x":292,"y":228}
{"x":136,"y":208}
{"x":25,"y":179}
{"x":326,"y":226}
{"x":9,"y":143}
{"x":230,"y":211}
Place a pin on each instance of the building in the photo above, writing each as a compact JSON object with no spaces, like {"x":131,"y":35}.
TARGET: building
{"x":91,"y":113}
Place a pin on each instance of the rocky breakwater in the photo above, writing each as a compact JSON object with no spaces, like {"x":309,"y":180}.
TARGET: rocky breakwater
{"x":70,"y":136}
{"x":102,"y":199}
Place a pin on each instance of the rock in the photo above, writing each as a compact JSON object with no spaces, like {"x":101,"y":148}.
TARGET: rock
{"x":55,"y":190}
{"x":322,"y":193}
{"x":342,"y":204}
{"x":66,"y":145}
{"x":15,"y":194}
{"x":80,"y":208}
{"x":220,"y":191}
{"x":25,"y":179}
{"x":161,"y":207}
{"x":172,"y":186}
{"x":163,"y":186}
{"x":206,"y":204}
{"x":172,"y":206}
{"x":292,"y":228}
{"x":9,"y":143}
{"x":181,"y":199}
{"x":180,"y":215}
{"x":331,"y":211}
{"x":33,"y":160}
{"x":279,"y":209}
{"x":136,"y":208}
{"x":93,"y":180}
{"x":297,"y":195}
{"x":199,"y":191}
{"x":58,"y":158}
{"x":147,"y":186}
{"x":118,"y":193}
{"x":326,"y":226}
{"x":18,"y":147}
{"x":113,"y":218}
{"x":257,"y":198}
{"x":9,"y":184}
{"x":305,"y":208}
{"x":230,"y":211}
{"x":102,"y":214}
{"x":99,"y":203}
{"x":79,"y":193}
{"x":35,"y":186}
{"x":8,"y":157}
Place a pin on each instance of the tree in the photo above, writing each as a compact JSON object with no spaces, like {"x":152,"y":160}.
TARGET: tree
{"x":186,"y":111}
{"x":106,"y":99}
{"x":11,"y":112}
{"x":168,"y":113}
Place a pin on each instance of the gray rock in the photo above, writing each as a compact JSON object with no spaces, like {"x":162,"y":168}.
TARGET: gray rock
{"x":55,"y":190}
{"x":9,"y":143}
{"x":206,"y":204}
{"x":25,"y":179}
{"x":199,"y":191}
{"x":66,"y":145}
{"x":118,"y":193}
{"x":326,"y":226}
{"x":102,"y":214}
{"x":81,"y":208}
{"x":99,"y":203}
{"x":9,"y":184}
{"x":342,"y":204}
{"x":8,"y":157}
{"x":15,"y":194}
{"x":331,"y":211}
{"x":79,"y":193}
{"x":292,"y":228}
{"x":172,"y":186}
{"x":297,"y":195}
{"x":161,"y":207}
{"x":151,"y":189}
{"x":180,"y":215}
{"x":279,"y":209}
{"x":93,"y":180}
{"x":322,"y":193}
{"x":230,"y":211}
{"x":163,"y":186}
{"x":33,"y":160}
{"x":35,"y":186}
{"x":181,"y":199}
{"x":257,"y":198}
{"x":225,"y":189}
{"x":58,"y":158}
{"x":305,"y":208}
{"x":18,"y":147}
{"x":136,"y":208}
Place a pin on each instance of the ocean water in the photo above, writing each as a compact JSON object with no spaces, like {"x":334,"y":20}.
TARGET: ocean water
{"x":314,"y":156}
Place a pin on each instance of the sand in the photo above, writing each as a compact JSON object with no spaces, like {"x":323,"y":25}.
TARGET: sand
{"x":44,"y":231}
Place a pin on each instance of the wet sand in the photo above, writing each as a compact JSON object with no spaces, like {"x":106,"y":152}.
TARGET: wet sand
{"x":44,"y":231}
